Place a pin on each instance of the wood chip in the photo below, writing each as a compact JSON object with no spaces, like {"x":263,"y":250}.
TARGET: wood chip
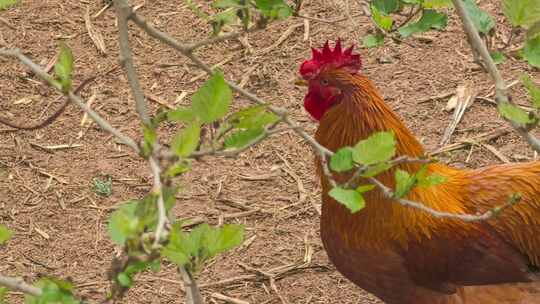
{"x":94,"y":33}
{"x":460,"y":102}
{"x":227,"y":299}
{"x":42,"y":233}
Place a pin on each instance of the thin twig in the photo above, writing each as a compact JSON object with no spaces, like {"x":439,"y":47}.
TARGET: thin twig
{"x":74,"y":98}
{"x":501,"y":94}
{"x":123,"y":11}
{"x":388,"y":193}
{"x":158,"y":188}
{"x":18,"y":284}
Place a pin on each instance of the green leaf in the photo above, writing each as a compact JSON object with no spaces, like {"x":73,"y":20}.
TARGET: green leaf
{"x":181,"y":114}
{"x":5,"y":234}
{"x":180,"y":246}
{"x":242,"y":138}
{"x":384,"y":22}
{"x":386,"y":6}
{"x":404,"y":183}
{"x":376,"y":169}
{"x":482,"y":20}
{"x":378,"y":147}
{"x":497,"y":57}
{"x":274,"y":9}
{"x":371,"y":41}
{"x":514,"y":113}
{"x":180,"y":167}
{"x":3,"y":292}
{"x":437,"y":3}
{"x":431,"y":180}
{"x":227,"y":4}
{"x":223,"y":18}
{"x":53,"y":291}
{"x":522,"y":12}
{"x":365,"y":188}
{"x":430,"y":19}
{"x":4,"y":4}
{"x":533,"y":31}
{"x":533,"y":89}
{"x":124,"y":279}
{"x":211,"y":102}
{"x":351,"y":199}
{"x":218,"y":240}
{"x":342,"y":160}
{"x":64,"y":67}
{"x":253,"y":117}
{"x":149,"y":139}
{"x":123,"y":223}
{"x":531,"y":52}
{"x":186,"y":140}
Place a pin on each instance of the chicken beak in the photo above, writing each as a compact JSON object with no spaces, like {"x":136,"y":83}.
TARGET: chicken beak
{"x":301,"y":82}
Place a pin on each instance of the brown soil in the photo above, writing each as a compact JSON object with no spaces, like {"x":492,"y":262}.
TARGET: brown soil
{"x":59,"y":222}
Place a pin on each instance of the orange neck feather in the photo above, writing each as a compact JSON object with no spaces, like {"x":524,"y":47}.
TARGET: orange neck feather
{"x":362,"y":112}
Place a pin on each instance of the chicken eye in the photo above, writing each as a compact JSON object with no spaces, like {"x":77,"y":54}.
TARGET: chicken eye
{"x":324,"y":82}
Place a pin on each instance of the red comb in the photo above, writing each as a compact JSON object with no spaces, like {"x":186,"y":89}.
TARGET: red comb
{"x":326,"y":56}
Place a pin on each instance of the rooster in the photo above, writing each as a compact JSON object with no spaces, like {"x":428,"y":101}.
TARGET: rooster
{"x":404,"y":255}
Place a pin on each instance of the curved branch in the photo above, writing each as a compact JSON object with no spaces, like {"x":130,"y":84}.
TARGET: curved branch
{"x":51,"y":118}
{"x":501,"y":94}
{"x":18,"y":284}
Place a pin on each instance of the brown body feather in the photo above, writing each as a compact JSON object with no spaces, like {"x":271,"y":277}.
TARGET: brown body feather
{"x":406,"y":256}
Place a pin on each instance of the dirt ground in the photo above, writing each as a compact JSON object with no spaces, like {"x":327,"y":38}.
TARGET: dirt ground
{"x":59,"y":222}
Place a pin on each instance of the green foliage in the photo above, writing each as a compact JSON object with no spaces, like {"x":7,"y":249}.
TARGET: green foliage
{"x":274,"y":9}
{"x":352,"y":199}
{"x":342,"y":160}
{"x":386,"y":6}
{"x":376,"y":169}
{"x":3,"y":292}
{"x":430,"y":19}
{"x":125,"y":278}
{"x":252,"y":117}
{"x":4,"y":4}
{"x":482,"y":20}
{"x":515,"y":113}
{"x":406,"y":181}
{"x":497,"y":57}
{"x":53,"y":291}
{"x":195,"y":248}
{"x":249,"y":125}
{"x":378,"y":147}
{"x":180,"y":167}
{"x":5,"y":234}
{"x":64,"y":67}
{"x":243,"y":138}
{"x":522,"y":13}
{"x":371,"y":41}
{"x":436,"y":3}
{"x":532,"y":89}
{"x":123,"y":223}
{"x":186,"y":140}
{"x":102,"y":187}
{"x":211,"y":101}
{"x":531,"y":51}
{"x":382,"y":21}
{"x":181,"y":114}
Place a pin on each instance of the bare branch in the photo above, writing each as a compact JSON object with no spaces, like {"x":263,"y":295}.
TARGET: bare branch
{"x":123,"y":12}
{"x":18,"y":284}
{"x":73,"y":97}
{"x":193,"y":294}
{"x":388,"y":193}
{"x":158,"y":188}
{"x":501,"y":94}
{"x":163,"y":37}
